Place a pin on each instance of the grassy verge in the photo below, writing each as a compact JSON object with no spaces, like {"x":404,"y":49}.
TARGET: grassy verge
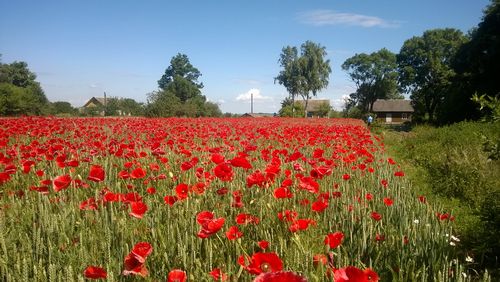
{"x":459,"y":167}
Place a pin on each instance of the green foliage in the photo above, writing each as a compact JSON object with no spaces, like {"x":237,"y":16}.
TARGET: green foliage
{"x":459,"y":163}
{"x":323,"y":109}
{"x":62,"y":108}
{"x":477,"y":65}
{"x":489,"y":105}
{"x":180,"y":67}
{"x":375,"y":76}
{"x":180,"y":93}
{"x":425,"y":71}
{"x":20,"y":94}
{"x":306,"y":74}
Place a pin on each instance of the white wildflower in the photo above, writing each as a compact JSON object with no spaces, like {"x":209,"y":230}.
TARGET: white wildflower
{"x":469,"y":259}
{"x":416,"y":221}
{"x":455,"y":238}
{"x":452,"y":243}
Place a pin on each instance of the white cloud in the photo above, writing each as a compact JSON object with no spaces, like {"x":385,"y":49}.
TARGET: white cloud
{"x":246,"y":97}
{"x":221,"y":101}
{"x":329,"y":17}
{"x":93,"y":85}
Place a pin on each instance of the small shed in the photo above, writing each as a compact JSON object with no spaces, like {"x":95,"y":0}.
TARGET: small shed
{"x":393,"y":111}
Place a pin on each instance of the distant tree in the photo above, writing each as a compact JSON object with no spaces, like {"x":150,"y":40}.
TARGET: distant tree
{"x":290,"y":76}
{"x":375,"y":76}
{"x":305,"y":74}
{"x":477,"y":64}
{"x":323,"y":109}
{"x":180,"y":92}
{"x":64,"y":108}
{"x":425,"y":71}
{"x":289,"y":107}
{"x":20,"y":93}
{"x":130,"y":106}
{"x":181,"y":78}
{"x":212,"y":109}
{"x":162,"y":104}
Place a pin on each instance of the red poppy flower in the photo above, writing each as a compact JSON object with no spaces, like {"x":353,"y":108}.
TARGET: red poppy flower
{"x":301,"y":224}
{"x":280,"y":276}
{"x":246,"y":218}
{"x":388,"y":202}
{"x":422,"y":199}
{"x":309,"y":184}
{"x":399,"y":173}
{"x":209,"y":224}
{"x":170,"y":200}
{"x":96,"y":173}
{"x":95,"y":272}
{"x":241,"y":162}
{"x":261,"y":262}
{"x":182,"y":191}
{"x":319,"y":205}
{"x":282,"y":193}
{"x":218,"y":275}
{"x":138,"y":173}
{"x":263,"y":244}
{"x":123,"y":174}
{"x":138,"y":209}
{"x":142,"y":250}
{"x":224,"y":172}
{"x":217,"y":158}
{"x":177,"y":275}
{"x":61,"y":182}
{"x":256,"y":178}
{"x":319,"y":259}
{"x":334,"y":239}
{"x":88,"y":204}
{"x":233,"y":233}
{"x":134,"y":266}
{"x":376,"y":216}
{"x":346,"y":176}
{"x":352,"y":273}
{"x":320,"y":172}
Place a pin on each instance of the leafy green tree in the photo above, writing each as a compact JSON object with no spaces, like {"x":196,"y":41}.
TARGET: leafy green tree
{"x":315,"y":71}
{"x":60,"y":107}
{"x":424,"y":64}
{"x":20,"y":92}
{"x":323,"y":109}
{"x":306,"y":74}
{"x":290,"y":76}
{"x":180,"y":92}
{"x":289,"y":108}
{"x":130,"y":106}
{"x":163,"y":104}
{"x":181,"y":78}
{"x":212,"y":109}
{"x":375,"y":76}
{"x":477,"y":64}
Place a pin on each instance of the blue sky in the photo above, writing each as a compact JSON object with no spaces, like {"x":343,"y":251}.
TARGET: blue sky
{"x":79,"y":49}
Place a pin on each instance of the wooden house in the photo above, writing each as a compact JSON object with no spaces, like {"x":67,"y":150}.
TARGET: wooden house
{"x":393,"y":111}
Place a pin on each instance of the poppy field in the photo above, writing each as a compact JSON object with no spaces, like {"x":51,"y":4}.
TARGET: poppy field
{"x":136,"y":199}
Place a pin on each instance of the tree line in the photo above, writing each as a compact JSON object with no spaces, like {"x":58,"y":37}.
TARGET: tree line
{"x":444,"y":72}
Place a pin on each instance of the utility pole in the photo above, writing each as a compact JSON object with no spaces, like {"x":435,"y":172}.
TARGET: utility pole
{"x":251,"y":102}
{"x":105,"y":104}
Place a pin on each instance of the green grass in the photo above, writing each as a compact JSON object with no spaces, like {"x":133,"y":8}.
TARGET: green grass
{"x":458,"y":166}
